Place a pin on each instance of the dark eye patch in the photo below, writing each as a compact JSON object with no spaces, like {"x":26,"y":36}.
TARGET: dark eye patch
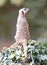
{"x":22,"y":12}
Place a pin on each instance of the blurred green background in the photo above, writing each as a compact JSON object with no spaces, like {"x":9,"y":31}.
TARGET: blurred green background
{"x":37,"y":19}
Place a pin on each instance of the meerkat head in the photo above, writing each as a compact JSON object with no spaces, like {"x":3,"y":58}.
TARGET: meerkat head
{"x":23,"y":11}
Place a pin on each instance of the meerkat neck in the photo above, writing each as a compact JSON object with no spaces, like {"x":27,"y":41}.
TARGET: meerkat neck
{"x":21,"y":15}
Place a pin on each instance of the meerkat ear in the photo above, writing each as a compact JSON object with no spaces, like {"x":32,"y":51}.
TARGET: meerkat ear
{"x":22,"y":12}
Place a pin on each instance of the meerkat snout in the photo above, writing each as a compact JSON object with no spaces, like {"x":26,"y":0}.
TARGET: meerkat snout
{"x":23,"y":11}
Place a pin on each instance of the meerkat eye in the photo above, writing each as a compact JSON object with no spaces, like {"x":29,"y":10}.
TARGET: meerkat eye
{"x":25,"y":9}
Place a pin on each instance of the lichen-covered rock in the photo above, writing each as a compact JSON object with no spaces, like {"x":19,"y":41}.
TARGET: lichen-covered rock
{"x":36,"y":55}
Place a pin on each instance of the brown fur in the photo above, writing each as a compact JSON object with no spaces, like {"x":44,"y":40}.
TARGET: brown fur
{"x":22,"y":32}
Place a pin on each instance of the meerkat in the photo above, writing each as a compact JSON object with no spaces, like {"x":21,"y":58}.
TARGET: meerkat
{"x":22,"y":31}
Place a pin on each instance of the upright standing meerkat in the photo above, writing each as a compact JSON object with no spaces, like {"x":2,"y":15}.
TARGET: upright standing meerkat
{"x":22,"y":31}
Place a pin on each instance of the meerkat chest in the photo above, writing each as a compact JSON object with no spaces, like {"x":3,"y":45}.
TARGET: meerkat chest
{"x":22,"y":24}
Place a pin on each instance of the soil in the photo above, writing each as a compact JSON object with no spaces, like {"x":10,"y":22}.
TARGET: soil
{"x":5,"y":43}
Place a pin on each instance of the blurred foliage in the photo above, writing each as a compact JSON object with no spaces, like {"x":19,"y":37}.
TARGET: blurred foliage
{"x":4,"y":27}
{"x":37,"y":17}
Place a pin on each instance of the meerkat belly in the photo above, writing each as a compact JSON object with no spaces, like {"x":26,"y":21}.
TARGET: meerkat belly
{"x":22,"y":31}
